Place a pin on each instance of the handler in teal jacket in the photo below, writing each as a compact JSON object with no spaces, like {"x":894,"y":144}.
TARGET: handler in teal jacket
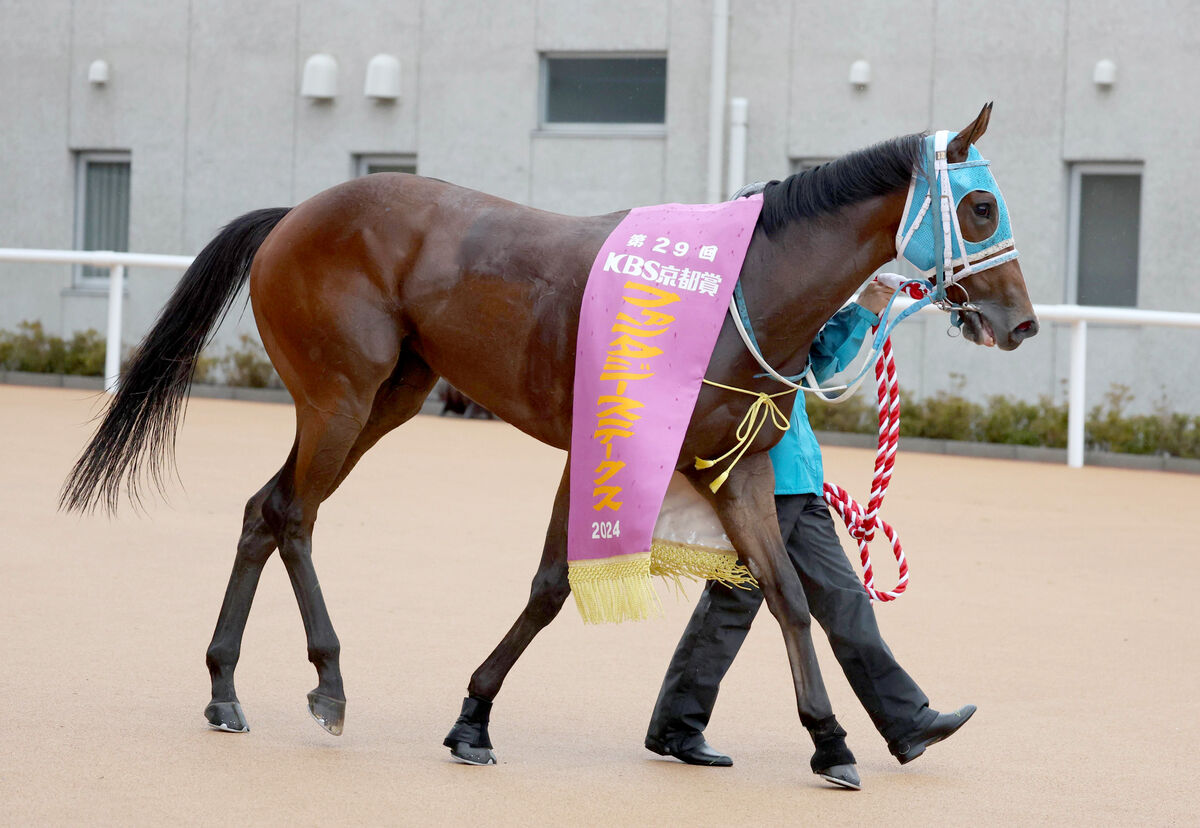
{"x":796,"y":458}
{"x":836,"y":597}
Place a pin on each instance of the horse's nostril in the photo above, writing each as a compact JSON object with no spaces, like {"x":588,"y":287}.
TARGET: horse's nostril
{"x":1027,"y":328}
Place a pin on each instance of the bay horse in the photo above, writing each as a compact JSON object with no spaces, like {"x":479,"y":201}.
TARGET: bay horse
{"x":369,"y":291}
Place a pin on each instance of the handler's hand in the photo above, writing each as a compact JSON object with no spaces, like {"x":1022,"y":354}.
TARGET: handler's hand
{"x":875,"y":296}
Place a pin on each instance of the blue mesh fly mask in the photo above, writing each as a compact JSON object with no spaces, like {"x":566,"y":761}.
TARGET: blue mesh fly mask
{"x":931,"y":227}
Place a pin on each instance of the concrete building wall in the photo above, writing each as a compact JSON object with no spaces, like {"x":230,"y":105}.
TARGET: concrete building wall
{"x":205,"y":96}
{"x":36,"y":171}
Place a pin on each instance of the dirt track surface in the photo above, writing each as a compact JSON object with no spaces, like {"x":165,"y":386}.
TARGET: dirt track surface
{"x":1060,"y":601}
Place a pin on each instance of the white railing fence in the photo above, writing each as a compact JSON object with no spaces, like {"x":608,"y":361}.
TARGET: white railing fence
{"x":1077,"y":315}
{"x":116,"y":264}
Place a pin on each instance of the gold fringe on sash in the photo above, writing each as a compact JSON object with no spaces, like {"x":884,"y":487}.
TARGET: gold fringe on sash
{"x":698,"y":563}
{"x":612,"y":590}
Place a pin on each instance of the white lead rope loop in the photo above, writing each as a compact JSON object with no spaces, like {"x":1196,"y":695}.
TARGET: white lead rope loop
{"x":809,"y":384}
{"x":813,"y":387}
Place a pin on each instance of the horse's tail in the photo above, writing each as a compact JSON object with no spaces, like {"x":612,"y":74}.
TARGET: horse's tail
{"x":142,"y":419}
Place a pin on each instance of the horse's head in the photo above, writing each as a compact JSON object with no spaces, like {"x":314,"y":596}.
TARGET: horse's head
{"x":956,"y":227}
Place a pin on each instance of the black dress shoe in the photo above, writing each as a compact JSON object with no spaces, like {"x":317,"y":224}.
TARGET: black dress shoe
{"x":698,"y":754}
{"x":940,"y":728}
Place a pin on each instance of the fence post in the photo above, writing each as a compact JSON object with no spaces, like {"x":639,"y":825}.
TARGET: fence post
{"x":112,"y":350}
{"x":1076,"y":412}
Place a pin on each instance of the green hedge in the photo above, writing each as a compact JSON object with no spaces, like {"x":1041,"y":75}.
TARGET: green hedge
{"x":31,"y":349}
{"x":953,"y":416}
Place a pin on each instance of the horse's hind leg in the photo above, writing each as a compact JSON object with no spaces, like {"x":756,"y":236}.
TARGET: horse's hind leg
{"x":396,"y":401}
{"x":338,"y":424}
{"x":255,"y":546}
{"x":325,"y":434}
{"x":468,"y":740}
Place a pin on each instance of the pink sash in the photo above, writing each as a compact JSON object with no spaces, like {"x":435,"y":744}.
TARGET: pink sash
{"x":654,"y":304}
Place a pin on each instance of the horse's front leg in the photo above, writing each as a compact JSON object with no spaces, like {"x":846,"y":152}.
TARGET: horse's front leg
{"x":746,"y":506}
{"x":468,"y":740}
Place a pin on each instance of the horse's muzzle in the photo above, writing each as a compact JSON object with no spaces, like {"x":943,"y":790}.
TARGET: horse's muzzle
{"x":989,"y":328}
{"x":1022,"y":331}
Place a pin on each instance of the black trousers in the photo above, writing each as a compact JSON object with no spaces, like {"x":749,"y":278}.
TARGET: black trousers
{"x":838,"y":602}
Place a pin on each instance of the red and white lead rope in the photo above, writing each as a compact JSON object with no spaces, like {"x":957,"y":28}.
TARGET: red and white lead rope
{"x":862,"y":524}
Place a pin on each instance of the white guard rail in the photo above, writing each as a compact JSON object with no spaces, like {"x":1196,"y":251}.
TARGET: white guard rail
{"x":1078,"y":316}
{"x":116,"y":264}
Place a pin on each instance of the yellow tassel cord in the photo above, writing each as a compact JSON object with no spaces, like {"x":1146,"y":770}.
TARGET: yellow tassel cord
{"x":612,"y":590}
{"x":673,"y":561}
{"x":762,"y":409}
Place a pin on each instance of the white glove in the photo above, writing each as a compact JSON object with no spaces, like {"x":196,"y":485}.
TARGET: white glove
{"x":892,"y":281}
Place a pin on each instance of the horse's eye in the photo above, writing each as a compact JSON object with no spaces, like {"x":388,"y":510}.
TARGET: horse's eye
{"x":983,"y":210}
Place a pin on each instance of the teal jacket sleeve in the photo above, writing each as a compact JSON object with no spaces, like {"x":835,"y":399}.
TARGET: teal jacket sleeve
{"x":839,"y":341}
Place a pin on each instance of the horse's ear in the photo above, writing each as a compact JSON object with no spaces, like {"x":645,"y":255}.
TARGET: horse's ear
{"x":956,"y":151}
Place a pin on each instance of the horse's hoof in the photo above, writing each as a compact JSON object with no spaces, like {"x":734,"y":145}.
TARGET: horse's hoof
{"x":226,"y":716}
{"x":468,"y":755}
{"x":330,"y":713}
{"x":844,"y":776}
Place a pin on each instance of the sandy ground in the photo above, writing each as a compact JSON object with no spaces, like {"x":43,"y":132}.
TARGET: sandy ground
{"x":1059,"y":601}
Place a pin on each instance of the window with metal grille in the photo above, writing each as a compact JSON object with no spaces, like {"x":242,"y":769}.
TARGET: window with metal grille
{"x":1106,"y":202}
{"x":605,"y":90}
{"x":101,"y":208}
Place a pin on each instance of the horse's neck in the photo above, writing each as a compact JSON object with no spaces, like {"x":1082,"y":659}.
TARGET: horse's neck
{"x":814,"y":266}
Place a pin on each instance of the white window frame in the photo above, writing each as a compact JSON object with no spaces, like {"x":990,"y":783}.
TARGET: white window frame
{"x":1078,"y":170}
{"x":362,"y":161}
{"x":82,"y":159}
{"x":590,"y":127}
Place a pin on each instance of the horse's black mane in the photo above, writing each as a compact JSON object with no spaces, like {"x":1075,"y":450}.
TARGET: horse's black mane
{"x":876,"y":170}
